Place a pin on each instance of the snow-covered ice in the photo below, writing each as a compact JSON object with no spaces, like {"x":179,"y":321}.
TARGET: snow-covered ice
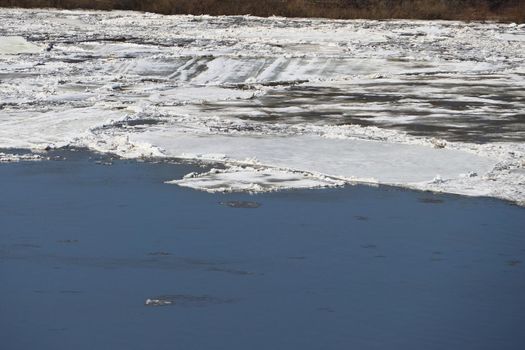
{"x":254,"y":179}
{"x":365,"y":160}
{"x":13,"y":45}
{"x":281,"y":103}
{"x":13,"y":158}
{"x":56,"y":128}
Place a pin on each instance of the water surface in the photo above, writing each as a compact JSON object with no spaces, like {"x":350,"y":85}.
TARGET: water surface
{"x":97,"y":256}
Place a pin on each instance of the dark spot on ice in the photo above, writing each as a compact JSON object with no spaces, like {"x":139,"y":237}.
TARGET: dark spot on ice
{"x":513,"y":262}
{"x":241,"y":204}
{"x":134,"y":123}
{"x":141,"y":122}
{"x":361,"y":218}
{"x":380,"y":256}
{"x":430,"y":200}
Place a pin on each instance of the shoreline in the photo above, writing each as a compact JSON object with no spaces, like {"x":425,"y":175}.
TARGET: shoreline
{"x":202,"y":167}
{"x":506,"y":11}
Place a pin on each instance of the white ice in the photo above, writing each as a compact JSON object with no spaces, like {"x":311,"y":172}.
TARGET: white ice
{"x":254,"y":179}
{"x":39,"y":130}
{"x":344,"y":158}
{"x":13,"y":45}
{"x":15,"y":158}
{"x":281,"y":103}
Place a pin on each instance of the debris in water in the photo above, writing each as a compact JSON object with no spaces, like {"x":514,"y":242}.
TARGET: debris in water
{"x":431,"y":200}
{"x":241,"y":204}
{"x":157,"y":302}
{"x":185,"y":300}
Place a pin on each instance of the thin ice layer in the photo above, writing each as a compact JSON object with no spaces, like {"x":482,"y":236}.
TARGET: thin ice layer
{"x":344,"y":158}
{"x":253,"y":179}
{"x":14,"y":45}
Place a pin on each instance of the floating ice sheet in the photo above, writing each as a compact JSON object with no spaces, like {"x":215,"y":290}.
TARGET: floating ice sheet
{"x":13,"y":45}
{"x":282,"y":103}
{"x":37,"y":130}
{"x":345,"y":158}
{"x":251,"y":179}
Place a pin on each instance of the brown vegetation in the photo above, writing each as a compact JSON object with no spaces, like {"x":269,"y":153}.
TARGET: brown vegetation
{"x":502,"y":10}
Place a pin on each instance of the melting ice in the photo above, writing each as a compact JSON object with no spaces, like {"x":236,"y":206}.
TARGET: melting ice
{"x":281,"y":103}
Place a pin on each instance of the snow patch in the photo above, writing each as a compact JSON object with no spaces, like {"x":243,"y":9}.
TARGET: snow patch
{"x":14,"y":45}
{"x":251,"y":179}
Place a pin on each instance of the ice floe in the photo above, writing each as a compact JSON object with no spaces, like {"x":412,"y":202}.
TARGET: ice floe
{"x":55,"y":128}
{"x":13,"y":45}
{"x":280,"y":103}
{"x":253,"y":179}
{"x":13,"y":158}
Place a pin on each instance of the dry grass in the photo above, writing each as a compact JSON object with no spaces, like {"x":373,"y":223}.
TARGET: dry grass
{"x":500,"y":10}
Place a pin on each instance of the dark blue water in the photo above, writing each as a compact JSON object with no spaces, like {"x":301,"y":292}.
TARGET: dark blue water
{"x":83,"y":246}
